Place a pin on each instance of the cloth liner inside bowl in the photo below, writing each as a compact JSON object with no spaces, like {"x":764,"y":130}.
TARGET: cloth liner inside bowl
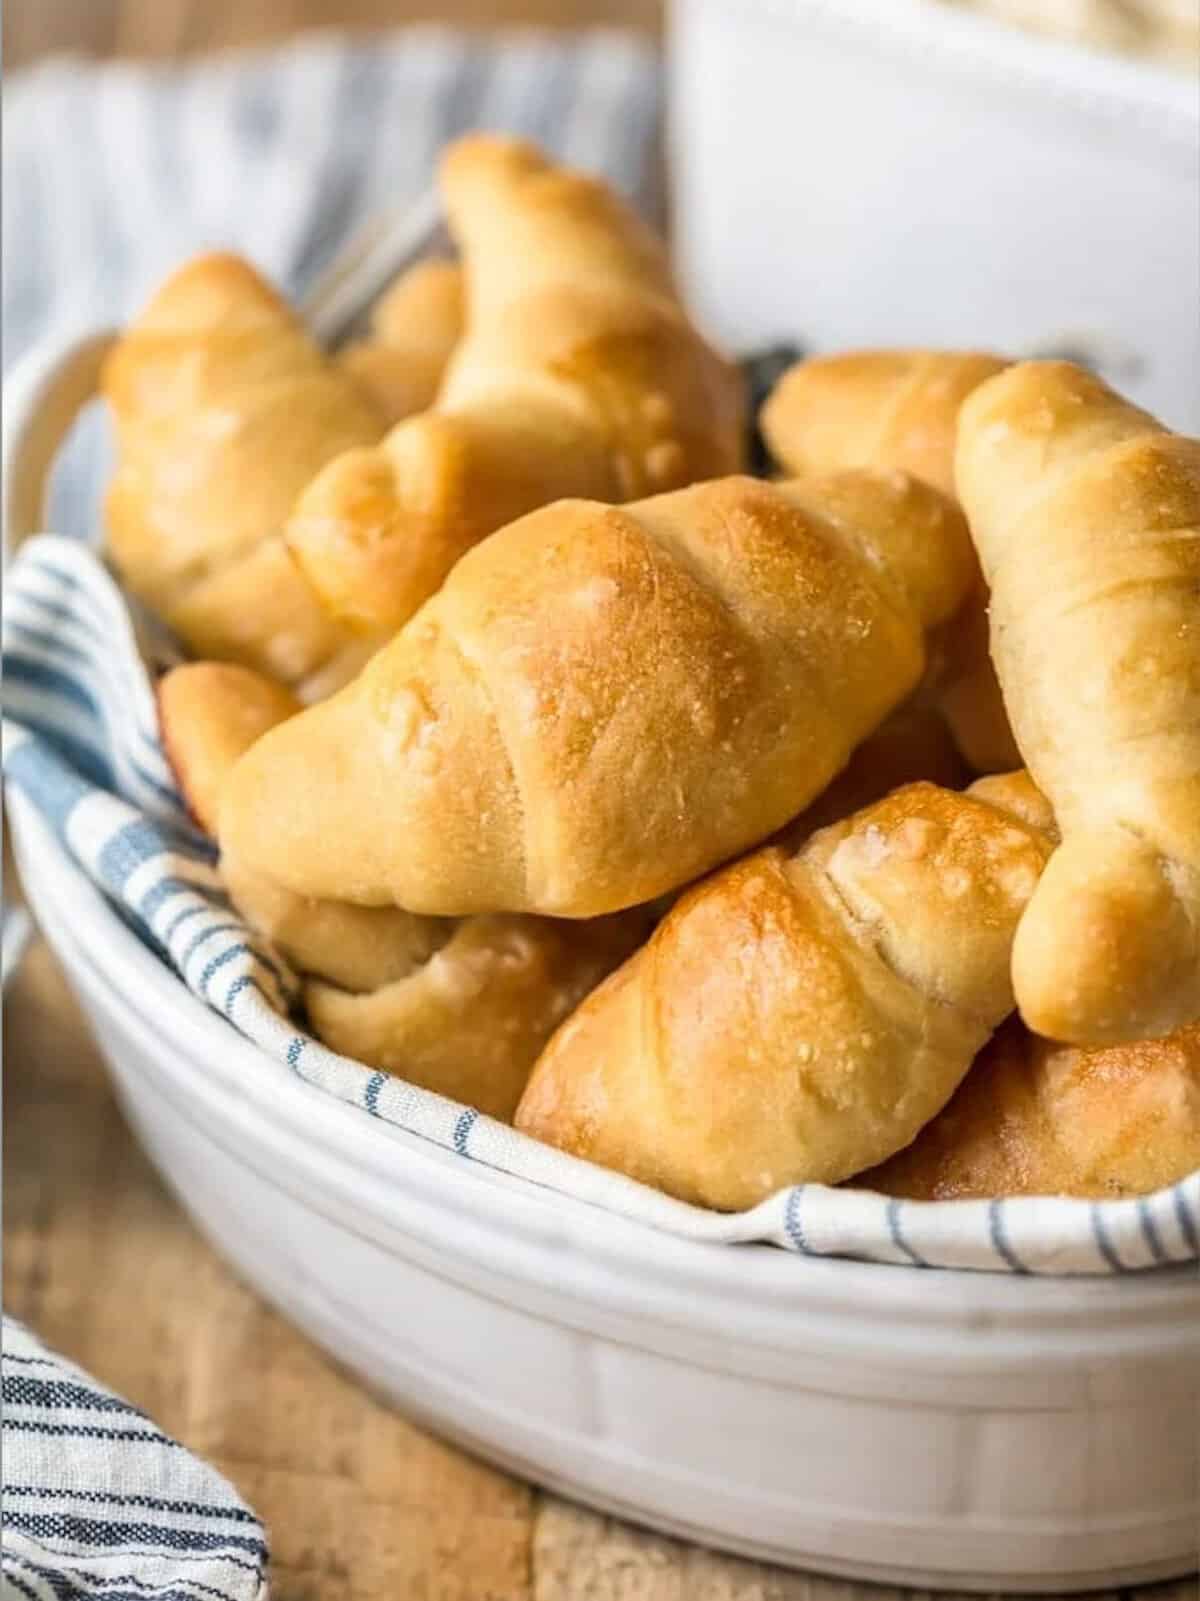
{"x":82,"y":747}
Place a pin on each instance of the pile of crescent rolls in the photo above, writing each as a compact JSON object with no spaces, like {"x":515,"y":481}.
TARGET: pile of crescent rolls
{"x":729,"y":832}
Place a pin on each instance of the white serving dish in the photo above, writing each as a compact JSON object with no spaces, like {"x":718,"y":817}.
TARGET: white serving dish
{"x":969,"y":1430}
{"x":931,"y":1428}
{"x":883,"y":172}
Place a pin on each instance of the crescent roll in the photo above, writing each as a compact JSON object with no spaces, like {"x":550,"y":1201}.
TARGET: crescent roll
{"x":224,"y":410}
{"x":899,"y":408}
{"x":469,"y":1018}
{"x":578,"y":374}
{"x":460,"y":1007}
{"x":414,"y":329}
{"x":602,"y":703}
{"x":1033,"y":1117}
{"x":1086,"y":515}
{"x":796,"y":1018}
{"x":912,"y":744}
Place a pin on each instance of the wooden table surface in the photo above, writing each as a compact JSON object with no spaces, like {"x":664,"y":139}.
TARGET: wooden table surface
{"x":33,"y":28}
{"x":99,"y":1259}
{"x":361,"y":1505}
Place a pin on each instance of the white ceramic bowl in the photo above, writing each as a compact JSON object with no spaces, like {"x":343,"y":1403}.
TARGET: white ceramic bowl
{"x":922,"y":1427}
{"x":931,"y":1428}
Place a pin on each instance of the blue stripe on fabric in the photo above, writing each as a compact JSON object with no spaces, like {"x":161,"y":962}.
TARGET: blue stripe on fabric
{"x":36,"y":674}
{"x":218,"y":962}
{"x":54,"y":789}
{"x":109,"y":1536}
{"x":61,"y":611}
{"x":459,"y":100}
{"x":1186,"y":1222}
{"x":1150,"y":1230}
{"x":295,"y":1051}
{"x":18,"y":1583}
{"x":66,"y":1587}
{"x":892,"y":1213}
{"x":999,"y":1236}
{"x":137,"y":842}
{"x":462,"y":1130}
{"x":207,"y":934}
{"x":73,"y":753}
{"x":165,"y":792}
{"x":357,"y":98}
{"x":42,"y":641}
{"x":247,"y":981}
{"x":19,"y":1389}
{"x":211,"y":900}
{"x":371,"y":1093}
{"x":148,"y":1503}
{"x":225,"y":1558}
{"x":90,"y":1431}
{"x":793,"y":1227}
{"x":1103,"y":1240}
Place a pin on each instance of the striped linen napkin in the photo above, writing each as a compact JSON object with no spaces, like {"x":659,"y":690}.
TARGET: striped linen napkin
{"x":98,"y":1502}
{"x":83,"y":757}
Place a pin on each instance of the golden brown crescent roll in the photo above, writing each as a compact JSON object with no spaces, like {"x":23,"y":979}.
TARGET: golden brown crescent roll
{"x":414,"y":329}
{"x":462,"y":1008}
{"x":1086,"y":514}
{"x":209,"y":713}
{"x":866,"y":408}
{"x":357,"y":947}
{"x":224,"y":411}
{"x":912,"y":744}
{"x":968,"y":692}
{"x":602,"y":703}
{"x":578,"y":374}
{"x":796,"y":1018}
{"x":1017,"y":793}
{"x":899,"y":408}
{"x":1036,"y":1118}
{"x":469,"y":1019}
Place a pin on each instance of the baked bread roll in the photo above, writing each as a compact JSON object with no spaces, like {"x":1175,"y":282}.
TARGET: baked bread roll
{"x":602,"y":703}
{"x":224,"y":411}
{"x":867,"y":408}
{"x":910,"y":745}
{"x":470,"y":1018}
{"x":462,"y":1008}
{"x":414,"y":329}
{"x":209,"y":714}
{"x":899,"y":408}
{"x":578,"y":374}
{"x":797,"y":1018}
{"x":1086,"y":514}
{"x":1036,"y":1118}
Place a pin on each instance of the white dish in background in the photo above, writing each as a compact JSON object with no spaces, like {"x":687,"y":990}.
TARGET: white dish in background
{"x":886,"y":172}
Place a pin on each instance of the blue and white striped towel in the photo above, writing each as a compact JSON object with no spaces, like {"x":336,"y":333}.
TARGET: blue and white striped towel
{"x":99,"y":1503}
{"x":82,"y":748}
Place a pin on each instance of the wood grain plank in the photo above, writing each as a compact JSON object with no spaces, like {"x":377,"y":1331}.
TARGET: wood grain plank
{"x":35,"y":28}
{"x":582,"y":1556}
{"x":173,"y":28}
